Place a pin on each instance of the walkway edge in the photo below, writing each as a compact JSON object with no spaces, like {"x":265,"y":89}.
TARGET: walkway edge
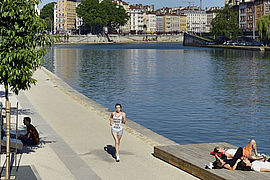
{"x":132,"y":127}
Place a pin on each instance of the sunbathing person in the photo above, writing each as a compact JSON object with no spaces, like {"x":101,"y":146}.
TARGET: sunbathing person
{"x":258,"y":165}
{"x":32,"y":136}
{"x":231,"y":164}
{"x":230,"y":153}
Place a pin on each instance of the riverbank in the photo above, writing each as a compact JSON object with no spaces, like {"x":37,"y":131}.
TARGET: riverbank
{"x":94,"y":39}
{"x":76,"y":142}
{"x":197,"y":41}
{"x":252,"y":48}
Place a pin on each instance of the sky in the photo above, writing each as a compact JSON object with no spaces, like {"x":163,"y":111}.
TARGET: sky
{"x":163,"y":3}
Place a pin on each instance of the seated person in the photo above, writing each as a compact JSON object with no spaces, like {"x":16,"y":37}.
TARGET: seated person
{"x":229,"y":153}
{"x":32,"y":136}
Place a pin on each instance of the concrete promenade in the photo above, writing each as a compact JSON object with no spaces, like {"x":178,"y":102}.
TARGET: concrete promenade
{"x":76,"y":141}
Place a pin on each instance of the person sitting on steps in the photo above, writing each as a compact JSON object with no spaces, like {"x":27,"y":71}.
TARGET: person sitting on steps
{"x":32,"y":136}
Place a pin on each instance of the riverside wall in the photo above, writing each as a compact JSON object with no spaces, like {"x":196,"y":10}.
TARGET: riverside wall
{"x":76,"y":140}
{"x":192,"y":40}
{"x":96,"y":39}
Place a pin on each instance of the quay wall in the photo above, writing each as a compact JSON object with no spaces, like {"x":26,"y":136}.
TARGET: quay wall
{"x":96,"y":39}
{"x":192,"y":40}
{"x":134,"y":128}
{"x":250,"y":48}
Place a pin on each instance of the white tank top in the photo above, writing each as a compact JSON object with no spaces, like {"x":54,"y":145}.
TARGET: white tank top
{"x":117,"y":122}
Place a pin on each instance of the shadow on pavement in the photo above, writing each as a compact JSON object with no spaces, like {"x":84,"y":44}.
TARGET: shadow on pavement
{"x":110,"y":150}
{"x":33,"y":148}
{"x":22,"y":173}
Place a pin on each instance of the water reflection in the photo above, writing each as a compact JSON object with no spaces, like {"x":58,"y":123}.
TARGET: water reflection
{"x":190,"y":95}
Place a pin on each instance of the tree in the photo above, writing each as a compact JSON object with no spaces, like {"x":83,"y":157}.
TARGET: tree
{"x":115,"y":15}
{"x":263,"y":25}
{"x":91,"y":14}
{"x":46,"y":13}
{"x":98,"y":15}
{"x":226,"y":24}
{"x":22,"y":45}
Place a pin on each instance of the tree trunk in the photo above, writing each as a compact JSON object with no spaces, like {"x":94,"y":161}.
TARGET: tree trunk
{"x":8,"y":134}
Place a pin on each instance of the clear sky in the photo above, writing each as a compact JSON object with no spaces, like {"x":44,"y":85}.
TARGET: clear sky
{"x":163,"y":3}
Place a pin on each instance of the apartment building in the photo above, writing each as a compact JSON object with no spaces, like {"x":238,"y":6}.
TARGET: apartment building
{"x":174,"y":24}
{"x":210,"y":15}
{"x":79,"y":21}
{"x":136,"y":19}
{"x":250,"y":11}
{"x":232,"y":2}
{"x":160,"y":20}
{"x":126,"y":28}
{"x":196,"y":20}
{"x":150,"y":22}
{"x":55,"y":18}
{"x":261,"y":8}
{"x":66,"y":16}
{"x":182,"y":23}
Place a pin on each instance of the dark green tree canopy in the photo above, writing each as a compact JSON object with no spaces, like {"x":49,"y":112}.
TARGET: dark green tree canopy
{"x":47,"y":13}
{"x":105,"y":14}
{"x":22,"y":43}
{"x":226,"y":24}
{"x":263,"y":26}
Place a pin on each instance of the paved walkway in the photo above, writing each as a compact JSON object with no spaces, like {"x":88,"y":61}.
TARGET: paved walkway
{"x":76,"y":140}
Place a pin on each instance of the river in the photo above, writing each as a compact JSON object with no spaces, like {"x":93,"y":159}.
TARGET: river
{"x":187,"y":94}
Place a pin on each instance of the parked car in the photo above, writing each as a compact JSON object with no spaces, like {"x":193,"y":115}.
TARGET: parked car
{"x":257,"y":44}
{"x":241,"y":43}
{"x":210,"y":43}
{"x":229,"y":43}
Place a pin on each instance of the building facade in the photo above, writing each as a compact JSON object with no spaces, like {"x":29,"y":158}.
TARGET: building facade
{"x":250,"y":11}
{"x":196,"y":20}
{"x":150,"y":23}
{"x":160,"y":24}
{"x":182,"y":23}
{"x":136,"y":20}
{"x":210,"y":16}
{"x":65,"y":16}
{"x":232,"y":2}
{"x":261,"y":8}
{"x":247,"y":15}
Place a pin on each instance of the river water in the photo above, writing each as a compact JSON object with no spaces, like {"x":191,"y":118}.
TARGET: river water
{"x":187,"y":94}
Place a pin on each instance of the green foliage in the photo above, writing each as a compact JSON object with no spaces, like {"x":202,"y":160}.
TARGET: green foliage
{"x":105,"y":14}
{"x":22,"y":43}
{"x":263,"y":25}
{"x":226,"y":24}
{"x":47,"y":13}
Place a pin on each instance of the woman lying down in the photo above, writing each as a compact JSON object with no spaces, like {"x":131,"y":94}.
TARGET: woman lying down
{"x":242,"y":163}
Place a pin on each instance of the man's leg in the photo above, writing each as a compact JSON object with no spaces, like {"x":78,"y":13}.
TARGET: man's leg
{"x":26,"y":141}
